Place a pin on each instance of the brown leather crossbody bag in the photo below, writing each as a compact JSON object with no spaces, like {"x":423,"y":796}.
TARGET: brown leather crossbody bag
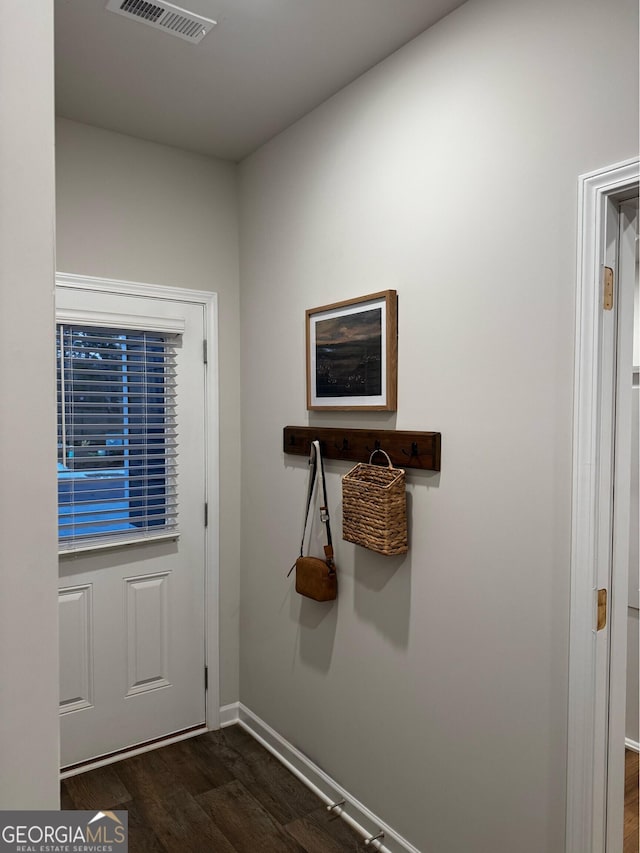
{"x":316,"y":578}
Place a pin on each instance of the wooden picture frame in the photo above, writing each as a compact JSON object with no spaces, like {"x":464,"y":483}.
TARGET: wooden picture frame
{"x":352,"y":354}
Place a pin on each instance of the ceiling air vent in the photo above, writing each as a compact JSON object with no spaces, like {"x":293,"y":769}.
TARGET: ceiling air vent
{"x":164,"y":16}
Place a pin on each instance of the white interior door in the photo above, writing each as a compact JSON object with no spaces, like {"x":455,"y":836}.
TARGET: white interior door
{"x":624,"y":529}
{"x":614,"y":524}
{"x":131,"y":589}
{"x":633,"y":633}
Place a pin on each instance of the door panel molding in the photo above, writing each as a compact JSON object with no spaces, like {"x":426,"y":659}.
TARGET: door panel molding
{"x":597,"y":191}
{"x":76,"y":641}
{"x":147,"y":599}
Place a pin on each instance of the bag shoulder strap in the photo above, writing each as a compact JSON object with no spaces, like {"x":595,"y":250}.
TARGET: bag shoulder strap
{"x":313,"y":463}
{"x":317,"y":470}
{"x":324,"y":509}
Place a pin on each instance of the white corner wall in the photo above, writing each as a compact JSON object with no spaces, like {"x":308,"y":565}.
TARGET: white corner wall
{"x":134,"y":210}
{"x":29,"y":747}
{"x":435,"y":689}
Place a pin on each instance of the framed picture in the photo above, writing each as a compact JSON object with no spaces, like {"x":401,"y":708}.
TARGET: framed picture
{"x":352,"y":354}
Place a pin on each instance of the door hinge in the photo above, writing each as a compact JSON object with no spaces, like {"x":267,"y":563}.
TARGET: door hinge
{"x":607,"y":302}
{"x":205,"y":353}
{"x":206,"y":514}
{"x":206,"y":678}
{"x":602,"y":609}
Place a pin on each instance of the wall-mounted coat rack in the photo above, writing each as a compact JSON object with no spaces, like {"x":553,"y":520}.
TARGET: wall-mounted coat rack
{"x":405,"y":448}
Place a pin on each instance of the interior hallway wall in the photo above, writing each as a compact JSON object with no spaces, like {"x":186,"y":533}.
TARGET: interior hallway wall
{"x":131,"y":209}
{"x":29,"y":742}
{"x":435,"y":688}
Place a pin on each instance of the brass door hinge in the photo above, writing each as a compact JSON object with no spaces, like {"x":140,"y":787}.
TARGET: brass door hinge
{"x":607,"y":302}
{"x":602,"y":609}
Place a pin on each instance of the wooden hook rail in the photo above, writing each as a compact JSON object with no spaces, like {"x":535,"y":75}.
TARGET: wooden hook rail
{"x":405,"y":448}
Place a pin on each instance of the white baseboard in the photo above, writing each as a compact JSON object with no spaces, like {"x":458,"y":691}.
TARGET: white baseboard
{"x":632,"y":744}
{"x":229,"y":715}
{"x":353,"y":812}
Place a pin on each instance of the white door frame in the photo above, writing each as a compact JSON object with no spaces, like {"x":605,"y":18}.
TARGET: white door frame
{"x":209,"y":301}
{"x":591,"y":498}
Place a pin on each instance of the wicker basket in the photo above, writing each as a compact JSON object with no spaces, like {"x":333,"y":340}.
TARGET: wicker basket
{"x":374,"y":507}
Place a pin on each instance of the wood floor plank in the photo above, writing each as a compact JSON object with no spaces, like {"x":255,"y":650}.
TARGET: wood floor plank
{"x":97,"y":789}
{"x":147,"y":777}
{"x":195,"y":770}
{"x":241,"y":741}
{"x":320,"y":832}
{"x":65,"y":798}
{"x":182,"y":825}
{"x":214,"y":746}
{"x":214,"y":750}
{"x":244,"y":822}
{"x":142,"y":838}
{"x":283,"y":795}
{"x":632,"y":763}
{"x":230,"y":745}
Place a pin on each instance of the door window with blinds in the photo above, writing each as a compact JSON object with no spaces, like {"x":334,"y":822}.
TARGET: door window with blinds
{"x":117,"y":435}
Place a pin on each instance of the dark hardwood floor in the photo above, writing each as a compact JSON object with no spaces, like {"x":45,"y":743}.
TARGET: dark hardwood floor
{"x":631,"y":803}
{"x":223,"y":792}
{"x":220,"y":792}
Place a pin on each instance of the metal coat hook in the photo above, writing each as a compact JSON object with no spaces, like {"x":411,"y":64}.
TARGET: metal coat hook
{"x":335,"y":806}
{"x":379,"y":837}
{"x":376,"y":446}
{"x":414,"y":450}
{"x":345,"y":445}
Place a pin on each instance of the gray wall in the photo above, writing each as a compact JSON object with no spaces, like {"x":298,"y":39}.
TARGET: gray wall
{"x":435,"y":688}
{"x":28,"y":564}
{"x":130,"y":209}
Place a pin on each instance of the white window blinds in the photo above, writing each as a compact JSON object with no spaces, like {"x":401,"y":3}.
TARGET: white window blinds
{"x":117,"y":435}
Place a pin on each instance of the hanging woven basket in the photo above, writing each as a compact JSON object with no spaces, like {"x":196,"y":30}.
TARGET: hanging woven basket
{"x":374,"y":507}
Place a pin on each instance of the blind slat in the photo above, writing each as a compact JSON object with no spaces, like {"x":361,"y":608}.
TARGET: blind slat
{"x":130,"y":390}
{"x":131,"y":521}
{"x":85,"y":506}
{"x":133,"y":515}
{"x":81,"y":498}
{"x":86,"y":477}
{"x":168,"y":448}
{"x":129,"y":369}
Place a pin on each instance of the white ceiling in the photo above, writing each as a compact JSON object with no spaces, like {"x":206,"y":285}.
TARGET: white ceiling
{"x":266,"y":64}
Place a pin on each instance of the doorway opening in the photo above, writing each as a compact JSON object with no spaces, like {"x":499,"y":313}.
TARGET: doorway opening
{"x":138,"y":534}
{"x":601,"y":535}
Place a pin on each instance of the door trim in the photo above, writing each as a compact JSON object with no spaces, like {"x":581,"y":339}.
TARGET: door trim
{"x":209,"y":301}
{"x":596,"y":191}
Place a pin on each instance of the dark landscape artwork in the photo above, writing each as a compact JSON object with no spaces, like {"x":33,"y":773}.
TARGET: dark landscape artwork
{"x":349,"y":355}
